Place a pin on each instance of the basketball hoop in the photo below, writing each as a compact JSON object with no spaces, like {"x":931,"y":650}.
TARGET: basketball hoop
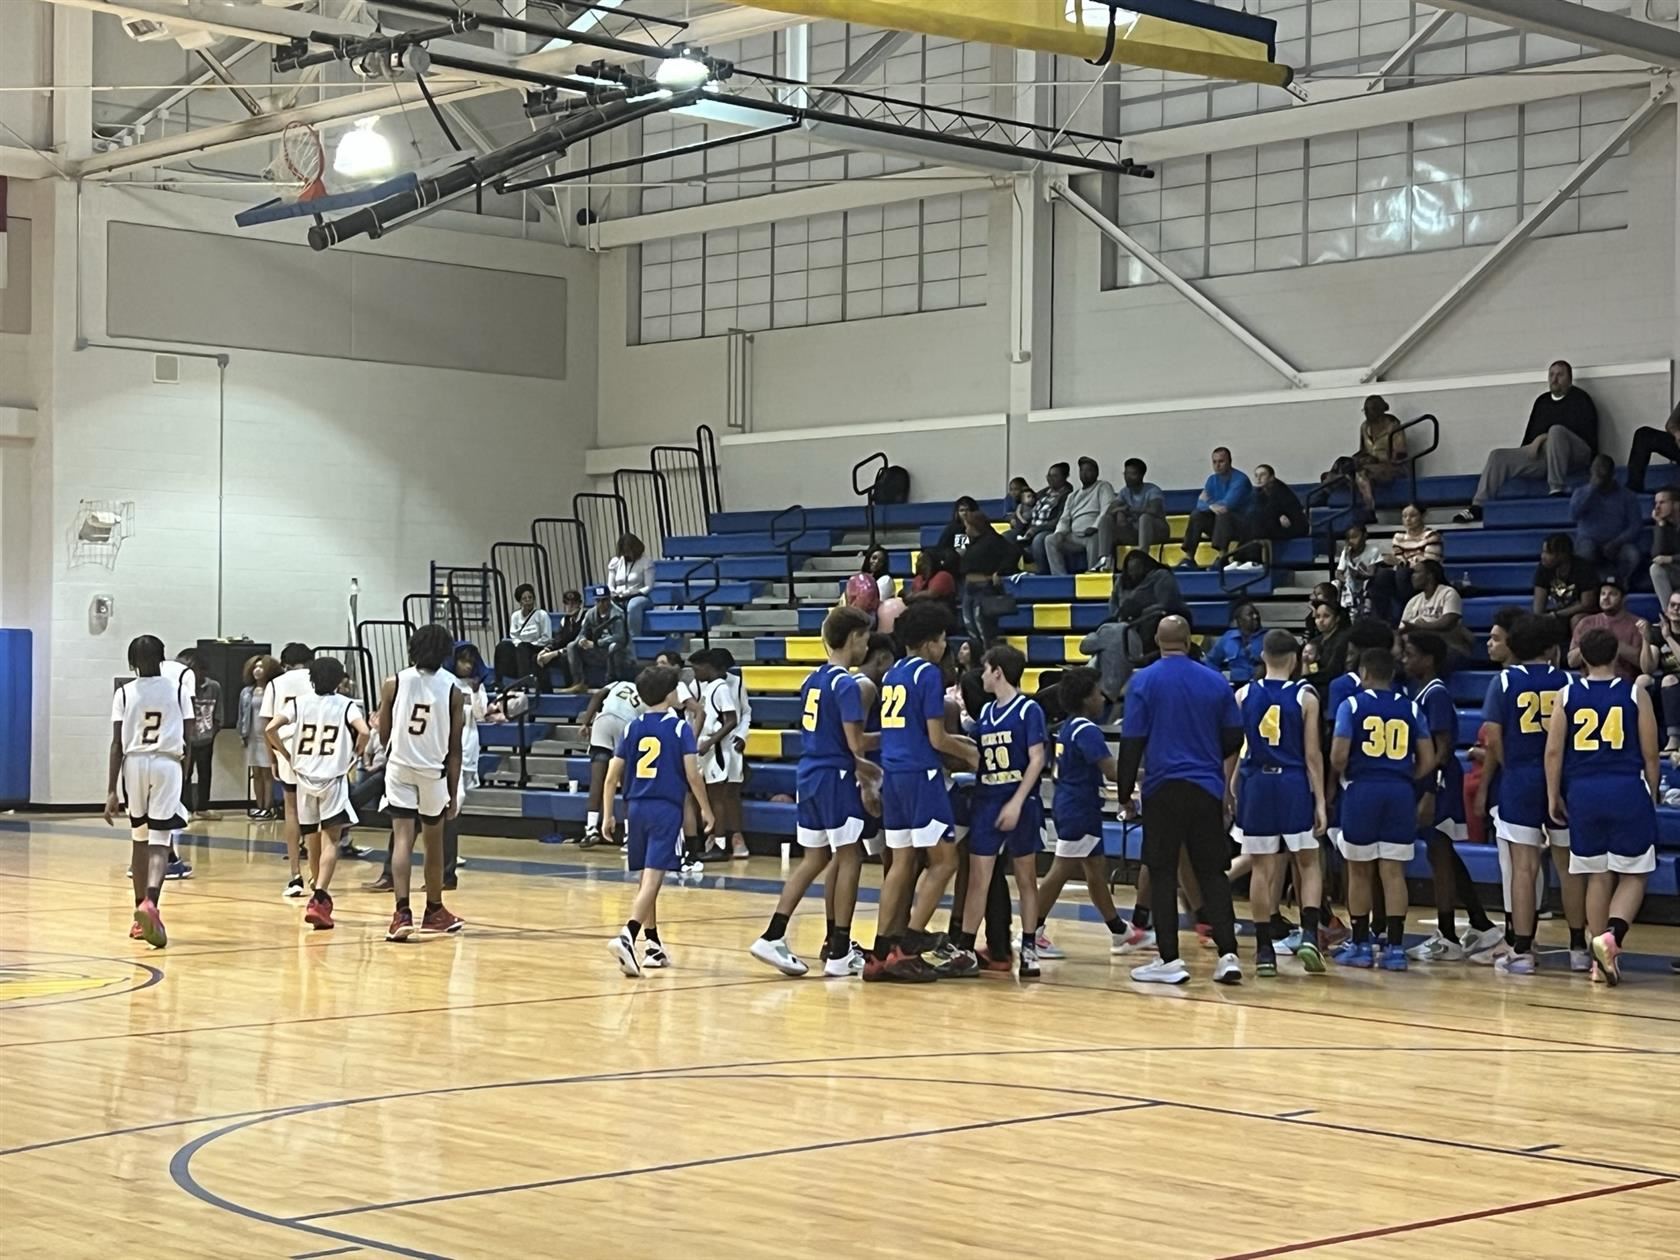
{"x":300,"y":149}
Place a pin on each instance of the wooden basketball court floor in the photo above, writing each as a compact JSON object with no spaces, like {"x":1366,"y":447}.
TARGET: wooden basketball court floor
{"x":259,"y":1090}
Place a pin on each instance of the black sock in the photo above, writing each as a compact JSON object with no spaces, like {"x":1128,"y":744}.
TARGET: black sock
{"x":1577,"y":938}
{"x":963,"y":940}
{"x":777,"y":928}
{"x":1029,"y":940}
{"x":1510,"y":933}
{"x":1309,"y":924}
{"x":1523,"y":944}
{"x":174,"y":856}
{"x":839,"y":940}
{"x":1197,"y":917}
{"x":1265,"y":945}
{"x":154,"y":895}
{"x":1619,"y":929}
{"x":402,"y":904}
{"x":1116,"y":925}
{"x":1361,"y":929}
{"x":1396,"y":930}
{"x":1447,"y":926}
{"x":1280,"y":926}
{"x":433,"y":906}
{"x":883,"y":945}
{"x":1140,"y":917}
{"x":828,"y":931}
{"x":632,"y":928}
{"x":652,"y":935}
{"x":320,"y":894}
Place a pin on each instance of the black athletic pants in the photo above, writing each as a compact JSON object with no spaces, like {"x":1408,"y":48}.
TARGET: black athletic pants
{"x":1181,"y":816}
{"x":1646,"y":443}
{"x":195,"y":781}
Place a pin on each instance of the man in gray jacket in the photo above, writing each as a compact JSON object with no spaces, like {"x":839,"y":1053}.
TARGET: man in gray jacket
{"x":602,"y":650}
{"x":1144,"y":592}
{"x":1078,"y":531}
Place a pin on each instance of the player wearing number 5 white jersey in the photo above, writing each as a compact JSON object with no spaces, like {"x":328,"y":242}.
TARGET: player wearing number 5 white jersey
{"x":324,"y":734}
{"x":282,"y":692}
{"x":149,"y":717}
{"x":420,"y":720}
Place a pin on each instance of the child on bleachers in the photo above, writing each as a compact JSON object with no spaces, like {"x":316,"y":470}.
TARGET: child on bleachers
{"x":1356,"y":564}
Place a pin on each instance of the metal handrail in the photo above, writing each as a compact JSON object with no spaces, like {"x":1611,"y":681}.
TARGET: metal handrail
{"x":787,"y":547}
{"x":582,"y":544}
{"x":545,"y":597}
{"x":1319,"y":495}
{"x":705,"y":441}
{"x":367,"y":688}
{"x":868,"y":492}
{"x":688,"y":591}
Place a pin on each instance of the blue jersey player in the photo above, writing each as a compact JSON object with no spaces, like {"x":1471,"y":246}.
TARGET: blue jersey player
{"x":1602,"y":775}
{"x":915,"y":808}
{"x":835,"y":774}
{"x":1379,"y":746}
{"x":1519,"y":704}
{"x":1279,"y":790}
{"x":1441,"y":810}
{"x":657,"y":753}
{"x":1008,"y":816}
{"x":1083,"y":760}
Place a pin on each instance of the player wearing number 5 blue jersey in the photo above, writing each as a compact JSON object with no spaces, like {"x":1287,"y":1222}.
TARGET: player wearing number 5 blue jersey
{"x":1602,"y":775}
{"x":1008,"y":816}
{"x":834,"y":775}
{"x":656,"y":758}
{"x":1519,"y":704}
{"x":1379,"y":747}
{"x":915,"y":808}
{"x":1279,"y":790}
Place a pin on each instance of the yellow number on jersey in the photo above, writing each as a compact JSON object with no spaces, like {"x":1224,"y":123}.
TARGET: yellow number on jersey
{"x":1589,"y":734}
{"x":1536,"y":707}
{"x":996,"y":759}
{"x":1271,"y":726}
{"x":1387,"y":741}
{"x":893,"y":700}
{"x":647,"y":759}
{"x":812,"y":699}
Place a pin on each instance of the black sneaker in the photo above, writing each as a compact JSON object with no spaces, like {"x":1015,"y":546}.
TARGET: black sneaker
{"x":1029,"y":962}
{"x":382,"y":884}
{"x":591,"y":838}
{"x":951,"y":963}
{"x":1469,"y":516}
{"x":902,"y":968}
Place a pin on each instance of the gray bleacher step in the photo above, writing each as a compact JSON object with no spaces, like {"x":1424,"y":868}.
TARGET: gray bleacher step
{"x":500,"y":802}
{"x":764,"y":619}
{"x":840,"y":564}
{"x":893,"y":539}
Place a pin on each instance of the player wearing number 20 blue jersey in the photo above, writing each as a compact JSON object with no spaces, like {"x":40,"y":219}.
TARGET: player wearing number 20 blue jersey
{"x":1007,"y":733}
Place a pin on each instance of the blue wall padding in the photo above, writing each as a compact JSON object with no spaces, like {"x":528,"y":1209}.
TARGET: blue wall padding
{"x":15,"y":680}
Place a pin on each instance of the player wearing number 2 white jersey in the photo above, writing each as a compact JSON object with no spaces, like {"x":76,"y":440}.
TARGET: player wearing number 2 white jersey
{"x":420,"y":720}
{"x":149,"y":717}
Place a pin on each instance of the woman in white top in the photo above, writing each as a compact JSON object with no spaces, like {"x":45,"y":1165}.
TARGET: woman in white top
{"x":530,"y":631}
{"x":877,"y":564}
{"x":629,"y":581}
{"x":1438,"y":609}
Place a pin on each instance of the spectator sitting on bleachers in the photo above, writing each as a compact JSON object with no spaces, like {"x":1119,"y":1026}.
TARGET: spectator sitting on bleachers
{"x":955,"y":535}
{"x":1018,"y":486}
{"x":1277,"y":513}
{"x":1607,"y":520}
{"x":878,"y":565}
{"x":1136,"y":518}
{"x":1648,"y":442}
{"x":529,"y":631}
{"x":1664,"y":638}
{"x":1634,"y":655}
{"x":935,"y":579}
{"x":1356,"y":564}
{"x":986,"y":561}
{"x":1145,"y":590}
{"x":1393,"y":584}
{"x":1222,"y":511}
{"x":1020,"y":517}
{"x":1381,"y":456}
{"x":1047,"y":510}
{"x":1562,"y":436}
{"x":1077,"y":529}
{"x":1326,"y":652}
{"x":565,"y":627}
{"x":1438,"y":608}
{"x":1665,"y":544}
{"x":1236,"y":653}
{"x":630,"y":581}
{"x":602,"y":650}
{"x":1565,"y":586}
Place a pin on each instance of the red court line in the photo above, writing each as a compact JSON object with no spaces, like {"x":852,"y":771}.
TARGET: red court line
{"x":1434,"y":1222}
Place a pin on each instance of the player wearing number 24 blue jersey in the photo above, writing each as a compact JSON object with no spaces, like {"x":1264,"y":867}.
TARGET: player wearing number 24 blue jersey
{"x":657,"y":752}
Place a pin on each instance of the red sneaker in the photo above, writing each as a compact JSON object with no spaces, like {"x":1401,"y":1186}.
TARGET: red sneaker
{"x":134,"y":930}
{"x":150,"y":925}
{"x":440,"y":920}
{"x":874,"y":966}
{"x":988,"y":963}
{"x":318,"y":914}
{"x":1333,"y":933}
{"x":402,"y":926}
{"x":1204,"y":935}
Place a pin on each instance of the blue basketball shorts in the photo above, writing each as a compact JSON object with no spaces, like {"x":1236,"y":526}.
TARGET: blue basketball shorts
{"x":985,"y":839}
{"x":656,"y":834}
{"x":1379,"y":820}
{"x":915,"y":809}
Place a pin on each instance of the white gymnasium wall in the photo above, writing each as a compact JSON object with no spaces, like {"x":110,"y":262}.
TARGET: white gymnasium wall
{"x":333,"y":469}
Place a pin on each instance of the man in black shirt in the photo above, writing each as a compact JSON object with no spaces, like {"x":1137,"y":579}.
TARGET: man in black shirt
{"x":1561,"y":438}
{"x":1665,"y":545}
{"x":1565,"y":586}
{"x":1648,"y":442}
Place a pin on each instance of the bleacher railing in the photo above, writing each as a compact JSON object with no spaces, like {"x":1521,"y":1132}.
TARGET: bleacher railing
{"x":519,"y":563}
{"x":424,"y":609}
{"x":705,"y":594}
{"x":795,"y":517}
{"x":647,"y":501}
{"x":875,"y":464}
{"x":1321,"y":495}
{"x":565,"y":542}
{"x":358,"y":667}
{"x":685,"y":487}
{"x":705,"y":442}
{"x":386,"y":643}
{"x":605,"y":518}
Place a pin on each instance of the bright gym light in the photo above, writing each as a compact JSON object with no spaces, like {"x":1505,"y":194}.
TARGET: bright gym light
{"x":678,"y":74}
{"x":363,"y":151}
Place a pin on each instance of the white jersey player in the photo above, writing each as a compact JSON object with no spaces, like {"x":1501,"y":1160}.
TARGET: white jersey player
{"x":610,"y":712}
{"x":420,"y":719}
{"x":324,"y":734}
{"x":279,"y":697}
{"x":149,"y":717}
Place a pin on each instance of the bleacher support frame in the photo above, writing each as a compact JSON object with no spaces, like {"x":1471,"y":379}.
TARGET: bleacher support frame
{"x":868,"y":492}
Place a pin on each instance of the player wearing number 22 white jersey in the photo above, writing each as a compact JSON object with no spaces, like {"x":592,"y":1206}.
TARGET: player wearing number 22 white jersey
{"x":420,"y":719}
{"x":149,"y":717}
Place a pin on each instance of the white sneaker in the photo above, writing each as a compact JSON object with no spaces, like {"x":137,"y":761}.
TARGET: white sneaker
{"x":840,"y":968}
{"x":1046,"y":947}
{"x":1137,"y":941}
{"x":294,"y":887}
{"x":1437,"y":949}
{"x":1580,"y":960}
{"x":1475,"y":942}
{"x":654,"y":958}
{"x":1228,"y":970}
{"x":1515,"y":964}
{"x":1158,"y":972}
{"x":1493,"y":954}
{"x":777,"y":954}
{"x":624,"y":949}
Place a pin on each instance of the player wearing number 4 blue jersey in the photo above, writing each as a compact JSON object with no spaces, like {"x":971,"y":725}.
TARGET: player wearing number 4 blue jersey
{"x":1602,"y":776}
{"x":1380,"y":746}
{"x":1279,"y":790}
{"x":659,"y":749}
{"x":835,"y":774}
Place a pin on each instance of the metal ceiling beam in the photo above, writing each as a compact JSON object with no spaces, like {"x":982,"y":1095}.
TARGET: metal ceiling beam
{"x":1582,"y":24}
{"x":869,"y":61}
{"x":1402,"y":54}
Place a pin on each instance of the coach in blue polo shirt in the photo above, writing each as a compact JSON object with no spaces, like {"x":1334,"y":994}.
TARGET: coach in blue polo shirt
{"x":1182,"y":724}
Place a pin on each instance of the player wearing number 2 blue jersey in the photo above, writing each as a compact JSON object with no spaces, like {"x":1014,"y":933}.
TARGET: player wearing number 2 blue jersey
{"x":1602,"y":771}
{"x":657,"y":755}
{"x":833,"y":771}
{"x":1380,"y":747}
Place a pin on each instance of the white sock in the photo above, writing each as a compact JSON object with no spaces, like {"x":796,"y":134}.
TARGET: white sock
{"x":594,"y":820}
